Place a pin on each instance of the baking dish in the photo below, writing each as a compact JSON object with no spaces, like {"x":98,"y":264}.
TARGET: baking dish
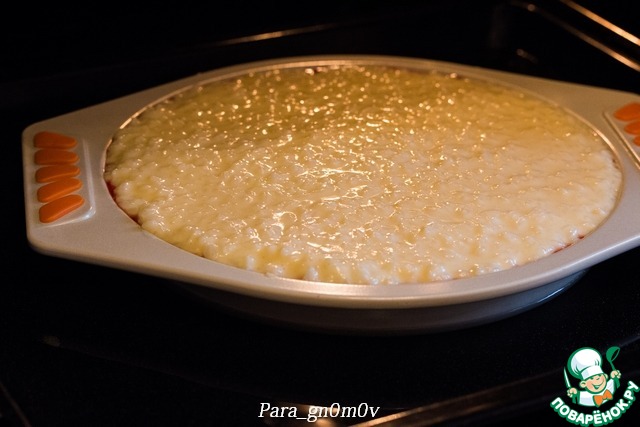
{"x":88,"y":226}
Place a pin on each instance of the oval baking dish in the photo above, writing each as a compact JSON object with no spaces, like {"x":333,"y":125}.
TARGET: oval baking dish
{"x":71,"y":214}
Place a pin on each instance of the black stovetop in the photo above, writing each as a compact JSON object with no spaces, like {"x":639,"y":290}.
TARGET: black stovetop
{"x":86,"y":345}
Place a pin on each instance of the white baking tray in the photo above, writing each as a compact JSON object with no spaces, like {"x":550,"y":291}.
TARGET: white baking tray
{"x":99,"y":232}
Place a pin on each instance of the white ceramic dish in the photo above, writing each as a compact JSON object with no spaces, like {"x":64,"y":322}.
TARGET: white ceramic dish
{"x":99,"y":232}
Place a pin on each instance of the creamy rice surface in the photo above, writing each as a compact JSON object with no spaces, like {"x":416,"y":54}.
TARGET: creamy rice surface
{"x":362,"y":174}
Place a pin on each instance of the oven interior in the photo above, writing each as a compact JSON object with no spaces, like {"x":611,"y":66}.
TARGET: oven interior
{"x":74,"y":327}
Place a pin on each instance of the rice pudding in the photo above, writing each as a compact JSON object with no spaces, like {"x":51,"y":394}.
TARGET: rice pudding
{"x":362,"y":174}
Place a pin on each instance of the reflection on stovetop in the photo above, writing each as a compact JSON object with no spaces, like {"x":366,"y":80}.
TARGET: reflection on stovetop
{"x":87,"y":345}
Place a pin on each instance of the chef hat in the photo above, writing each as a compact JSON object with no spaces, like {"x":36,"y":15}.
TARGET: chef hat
{"x":584,"y":363}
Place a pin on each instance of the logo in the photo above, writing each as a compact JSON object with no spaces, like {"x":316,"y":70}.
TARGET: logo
{"x":597,"y":398}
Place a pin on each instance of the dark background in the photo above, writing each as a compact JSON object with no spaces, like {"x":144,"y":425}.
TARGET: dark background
{"x":85,"y":345}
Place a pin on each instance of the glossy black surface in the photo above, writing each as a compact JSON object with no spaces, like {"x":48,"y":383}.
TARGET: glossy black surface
{"x":84,"y":345}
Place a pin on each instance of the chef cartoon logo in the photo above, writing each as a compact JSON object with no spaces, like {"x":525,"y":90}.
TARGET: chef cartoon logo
{"x":585,"y":364}
{"x":593,"y":385}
